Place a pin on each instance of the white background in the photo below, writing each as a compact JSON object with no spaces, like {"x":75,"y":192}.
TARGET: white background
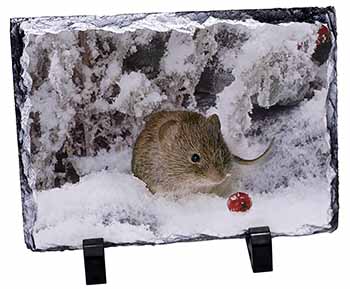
{"x":319,"y":261}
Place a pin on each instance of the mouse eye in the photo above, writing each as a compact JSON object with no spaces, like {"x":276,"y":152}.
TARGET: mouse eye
{"x":195,"y":158}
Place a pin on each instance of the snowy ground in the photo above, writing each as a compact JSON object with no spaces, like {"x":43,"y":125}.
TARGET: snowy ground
{"x":119,"y":208}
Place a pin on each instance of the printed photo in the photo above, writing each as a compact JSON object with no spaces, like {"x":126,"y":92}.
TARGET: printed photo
{"x":167,"y":127}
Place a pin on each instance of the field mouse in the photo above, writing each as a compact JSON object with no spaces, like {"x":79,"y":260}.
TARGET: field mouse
{"x":182,"y":151}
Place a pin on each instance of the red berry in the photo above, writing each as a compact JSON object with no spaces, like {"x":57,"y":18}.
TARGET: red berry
{"x":323,"y":35}
{"x":323,"y":45}
{"x":239,"y":202}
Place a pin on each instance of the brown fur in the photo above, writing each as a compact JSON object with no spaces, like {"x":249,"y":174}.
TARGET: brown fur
{"x":163,"y":150}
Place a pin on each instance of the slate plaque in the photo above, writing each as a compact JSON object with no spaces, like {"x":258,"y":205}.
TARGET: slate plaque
{"x":143,"y":128}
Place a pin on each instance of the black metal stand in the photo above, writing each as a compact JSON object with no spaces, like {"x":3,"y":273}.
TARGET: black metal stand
{"x":259,"y":243}
{"x":94,"y":260}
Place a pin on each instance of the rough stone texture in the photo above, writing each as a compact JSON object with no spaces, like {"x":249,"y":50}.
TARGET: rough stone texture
{"x":71,"y":77}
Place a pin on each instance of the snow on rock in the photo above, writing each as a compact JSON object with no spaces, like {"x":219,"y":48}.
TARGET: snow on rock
{"x":290,"y":68}
{"x":137,"y":97}
{"x":90,"y":90}
{"x":300,"y":152}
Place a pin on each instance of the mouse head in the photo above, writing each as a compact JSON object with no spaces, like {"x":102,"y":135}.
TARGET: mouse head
{"x":193,"y":150}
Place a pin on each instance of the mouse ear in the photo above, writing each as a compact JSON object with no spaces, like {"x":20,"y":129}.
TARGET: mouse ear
{"x":214,"y":121}
{"x":168,"y":130}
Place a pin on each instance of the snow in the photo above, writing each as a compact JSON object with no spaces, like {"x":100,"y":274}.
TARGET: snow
{"x":137,"y":95}
{"x":177,"y":57}
{"x":118,"y":207}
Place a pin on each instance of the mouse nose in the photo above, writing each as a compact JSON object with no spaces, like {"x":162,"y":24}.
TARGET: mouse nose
{"x":216,"y":176}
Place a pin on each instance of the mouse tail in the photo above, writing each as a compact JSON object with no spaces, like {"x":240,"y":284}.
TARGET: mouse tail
{"x":242,"y":161}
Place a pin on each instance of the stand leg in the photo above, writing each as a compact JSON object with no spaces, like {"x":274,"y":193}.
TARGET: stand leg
{"x":94,"y":260}
{"x":259,"y":243}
